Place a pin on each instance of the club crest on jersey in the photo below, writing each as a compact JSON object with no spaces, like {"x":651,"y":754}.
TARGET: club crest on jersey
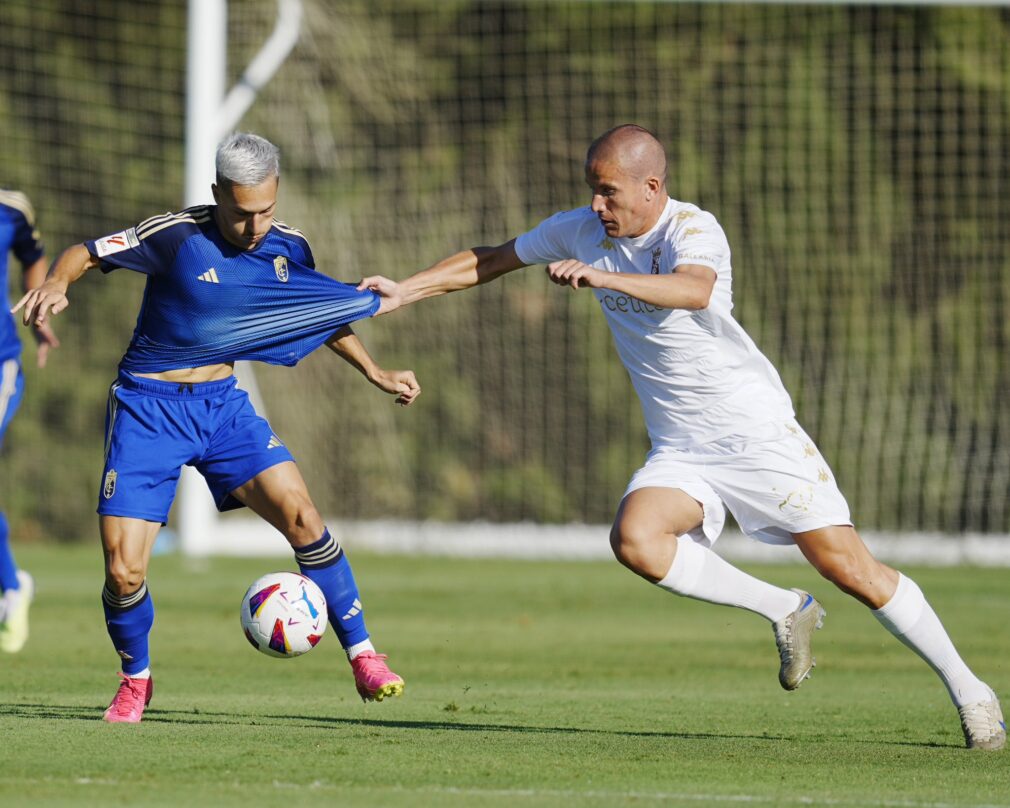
{"x":281,"y":268}
{"x":656,"y":253}
{"x":109,"y":487}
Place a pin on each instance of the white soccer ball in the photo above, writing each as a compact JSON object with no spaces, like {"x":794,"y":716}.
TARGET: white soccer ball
{"x":284,"y":614}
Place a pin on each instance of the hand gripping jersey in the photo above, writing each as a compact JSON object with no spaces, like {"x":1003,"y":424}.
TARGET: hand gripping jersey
{"x":208,"y":302}
{"x":17,"y":235}
{"x":698,"y":374}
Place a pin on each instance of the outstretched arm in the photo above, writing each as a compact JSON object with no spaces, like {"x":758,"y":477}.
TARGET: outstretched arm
{"x":401,"y":383}
{"x":51,"y":296}
{"x":459,"y":271}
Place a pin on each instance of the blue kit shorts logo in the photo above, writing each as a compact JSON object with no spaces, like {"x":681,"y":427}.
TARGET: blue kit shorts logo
{"x":109,"y":488}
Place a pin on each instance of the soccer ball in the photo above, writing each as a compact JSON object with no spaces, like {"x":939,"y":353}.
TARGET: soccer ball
{"x":284,"y":614}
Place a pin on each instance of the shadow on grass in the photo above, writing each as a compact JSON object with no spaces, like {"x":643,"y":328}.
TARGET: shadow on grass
{"x":207,"y":718}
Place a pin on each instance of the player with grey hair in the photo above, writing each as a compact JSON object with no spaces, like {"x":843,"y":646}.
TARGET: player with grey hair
{"x":724,"y":437}
{"x":246,"y":159}
{"x":225,"y":282}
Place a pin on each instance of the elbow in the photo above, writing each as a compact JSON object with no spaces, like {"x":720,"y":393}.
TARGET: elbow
{"x":703,"y":292}
{"x":700,"y":300}
{"x":76,"y":256}
{"x":493,"y":262}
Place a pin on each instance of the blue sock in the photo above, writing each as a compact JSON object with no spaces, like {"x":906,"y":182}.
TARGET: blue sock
{"x":326,"y":565}
{"x":8,"y":569}
{"x":129,"y":619}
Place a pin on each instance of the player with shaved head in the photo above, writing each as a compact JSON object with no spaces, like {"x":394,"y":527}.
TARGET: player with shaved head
{"x":722,"y":427}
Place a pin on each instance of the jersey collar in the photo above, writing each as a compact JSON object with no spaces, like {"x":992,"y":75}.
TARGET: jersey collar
{"x":645,"y":240}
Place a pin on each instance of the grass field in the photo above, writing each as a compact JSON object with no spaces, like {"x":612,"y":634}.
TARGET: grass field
{"x":528,"y":684}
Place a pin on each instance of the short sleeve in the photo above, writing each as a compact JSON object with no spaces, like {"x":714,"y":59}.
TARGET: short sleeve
{"x":554,"y":239}
{"x":701,"y":240}
{"x":150,"y":247}
{"x":27,"y":244}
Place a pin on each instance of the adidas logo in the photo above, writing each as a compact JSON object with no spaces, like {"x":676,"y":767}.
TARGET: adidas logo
{"x":353,"y":611}
{"x":274,"y":441}
{"x":210,"y":276}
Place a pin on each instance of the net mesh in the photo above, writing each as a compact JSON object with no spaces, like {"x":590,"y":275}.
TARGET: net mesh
{"x":856,"y":156}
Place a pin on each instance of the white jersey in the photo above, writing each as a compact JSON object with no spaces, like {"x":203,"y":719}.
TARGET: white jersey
{"x":698,"y":374}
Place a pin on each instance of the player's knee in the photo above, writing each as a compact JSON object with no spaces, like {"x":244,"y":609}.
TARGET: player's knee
{"x":631,"y":544}
{"x":844,"y":570}
{"x":619,"y":542}
{"x":124,"y":576}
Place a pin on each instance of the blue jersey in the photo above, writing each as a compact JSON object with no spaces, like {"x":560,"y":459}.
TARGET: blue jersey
{"x":17,"y":235}
{"x":208,"y":302}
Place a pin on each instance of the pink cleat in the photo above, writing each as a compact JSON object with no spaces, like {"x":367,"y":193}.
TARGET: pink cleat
{"x":131,"y":699}
{"x":373,"y":678}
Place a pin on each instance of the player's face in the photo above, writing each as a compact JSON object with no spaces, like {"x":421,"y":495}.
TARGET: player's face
{"x":245,"y":213}
{"x":624,"y":204}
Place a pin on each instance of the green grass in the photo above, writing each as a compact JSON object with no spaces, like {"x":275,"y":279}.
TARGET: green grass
{"x":528,"y":684}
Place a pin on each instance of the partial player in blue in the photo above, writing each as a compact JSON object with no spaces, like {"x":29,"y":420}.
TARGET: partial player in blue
{"x":18,"y":235}
{"x":225,"y":282}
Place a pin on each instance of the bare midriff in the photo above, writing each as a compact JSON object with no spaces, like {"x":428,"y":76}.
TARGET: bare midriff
{"x":205,"y":373}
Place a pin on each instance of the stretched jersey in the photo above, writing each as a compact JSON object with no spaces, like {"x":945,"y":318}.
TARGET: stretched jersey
{"x":698,"y":374}
{"x":208,"y":302}
{"x":17,"y":235}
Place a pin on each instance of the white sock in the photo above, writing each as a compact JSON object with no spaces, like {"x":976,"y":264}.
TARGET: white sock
{"x":144,"y":674}
{"x":357,"y":648}
{"x":699,"y":573}
{"x":912,"y":620}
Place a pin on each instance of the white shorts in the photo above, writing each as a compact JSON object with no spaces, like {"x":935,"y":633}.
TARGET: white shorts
{"x":774,"y":482}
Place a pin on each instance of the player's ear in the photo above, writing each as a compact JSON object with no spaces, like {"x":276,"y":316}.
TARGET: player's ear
{"x":216,"y":192}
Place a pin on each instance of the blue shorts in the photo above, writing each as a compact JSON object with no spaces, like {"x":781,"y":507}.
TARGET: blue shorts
{"x":153,"y":428}
{"x":12,"y":388}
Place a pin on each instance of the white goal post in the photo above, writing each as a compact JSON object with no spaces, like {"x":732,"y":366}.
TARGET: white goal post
{"x":210,"y":115}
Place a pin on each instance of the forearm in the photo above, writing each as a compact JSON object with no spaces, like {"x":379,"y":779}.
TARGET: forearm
{"x":345,"y":344}
{"x":71,"y":266}
{"x":460,"y":271}
{"x":682,"y":290}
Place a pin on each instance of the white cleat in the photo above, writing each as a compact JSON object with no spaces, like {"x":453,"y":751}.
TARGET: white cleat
{"x":983,"y":724}
{"x":792,"y":636}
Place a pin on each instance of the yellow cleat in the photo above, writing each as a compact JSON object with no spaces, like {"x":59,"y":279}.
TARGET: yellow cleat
{"x":14,"y":628}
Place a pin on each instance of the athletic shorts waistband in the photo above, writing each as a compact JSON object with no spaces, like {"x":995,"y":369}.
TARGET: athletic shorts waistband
{"x":180,"y":390}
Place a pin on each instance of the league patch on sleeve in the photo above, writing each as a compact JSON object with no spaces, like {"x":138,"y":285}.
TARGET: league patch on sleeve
{"x":117,"y":242}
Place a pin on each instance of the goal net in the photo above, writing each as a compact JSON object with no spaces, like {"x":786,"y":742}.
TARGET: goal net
{"x":857,"y":157}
